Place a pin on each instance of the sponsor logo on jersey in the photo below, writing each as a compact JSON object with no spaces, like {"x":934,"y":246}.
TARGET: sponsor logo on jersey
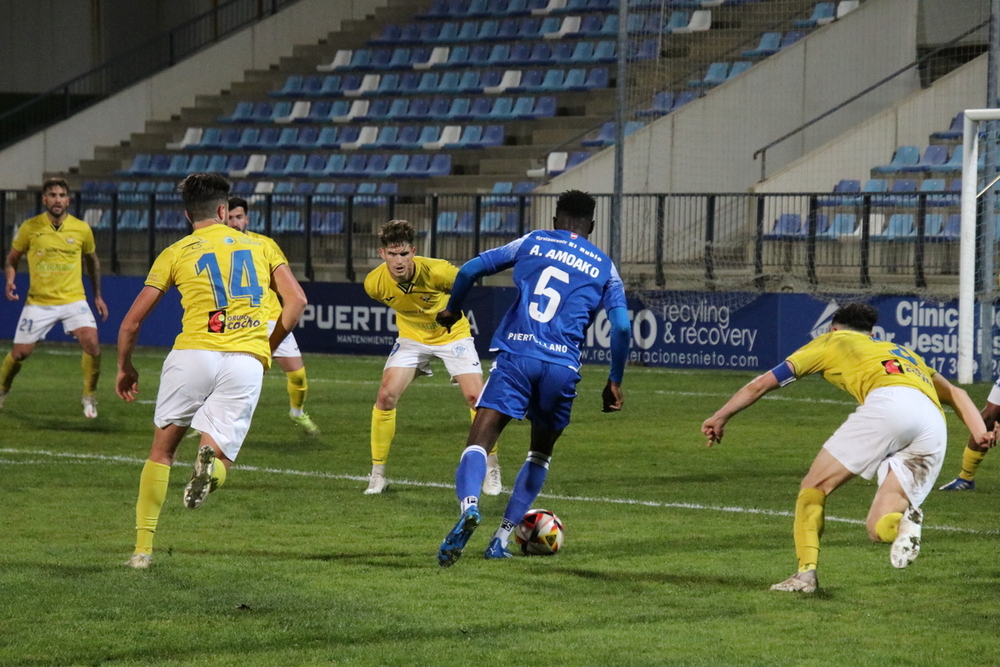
{"x":217,"y":321}
{"x":892,"y":367}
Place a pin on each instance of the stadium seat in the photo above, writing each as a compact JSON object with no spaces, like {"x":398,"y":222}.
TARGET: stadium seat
{"x":419,"y":109}
{"x":791,"y":37}
{"x":480,"y":109}
{"x":319,"y":112}
{"x":894,"y":195}
{"x":502,"y":109}
{"x":493,"y":136}
{"x":409,"y":137}
{"x":787,"y":226}
{"x":429,"y":135}
{"x":440,"y":165}
{"x":954,"y":130}
{"x":327,"y":138}
{"x":327,"y":222}
{"x":268,"y":138}
{"x":531,"y":80}
{"x":934,"y":156}
{"x":459,"y":108}
{"x":823,"y":13}
{"x":418,"y":166}
{"x":739,"y":67}
{"x":397,"y":165}
{"x":378,"y":110}
{"x":398,"y":110}
{"x":905,"y":156}
{"x":387,"y":85}
{"x":261,"y":113}
{"x":605,"y":137}
{"x":470,"y":138}
{"x":288,"y":138}
{"x":954,"y":162}
{"x":316,"y":165}
{"x":717,"y":73}
{"x":663,"y":103}
{"x":241,"y":114}
{"x":900,"y":227}
{"x":770,"y":43}
{"x":300,"y":112}
{"x":292,"y":87}
{"x":647,"y":49}
{"x":606,"y":51}
{"x":449,"y":135}
{"x":341,"y":60}
{"x":458,"y":56}
{"x":510,"y":79}
{"x":843,"y":225}
{"x":844,"y":7}
{"x":192,"y":137}
{"x":841,"y":190}
{"x":446,"y":222}
{"x":210,"y":138}
{"x":388,"y":137}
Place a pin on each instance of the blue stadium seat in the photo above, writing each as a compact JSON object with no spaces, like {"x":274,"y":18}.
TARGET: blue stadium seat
{"x":332,"y":86}
{"x":843,"y":225}
{"x":376,"y":166}
{"x":418,"y":166}
{"x":469,"y":82}
{"x":336,"y":165}
{"x":409,"y":137}
{"x":479,"y":55}
{"x":471,"y":137}
{"x":576,"y":79}
{"x":446,"y":222}
{"x":508,"y":30}
{"x":419,"y":109}
{"x":905,"y":156}
{"x":274,"y":165}
{"x":900,"y":227}
{"x":388,"y":137}
{"x":520,"y":54}
{"x":378,"y":110}
{"x":292,"y":87}
{"x":770,"y":43}
{"x":459,"y":108}
{"x":717,"y":73}
{"x":955,"y":130}
{"x":210,"y":138}
{"x":739,"y":67}
{"x":791,"y":37}
{"x":388,"y":84}
{"x":409,"y":83}
{"x":605,"y":137}
{"x":531,"y":80}
{"x":663,"y":103}
{"x":895,"y":194}
{"x":360,"y":58}
{"x":553,"y":81}
{"x":319,"y":112}
{"x":458,"y":56}
{"x":529,"y":28}
{"x":316,"y":165}
{"x":439,"y":109}
{"x":450,"y":83}
{"x":541,"y":54}
{"x":396,"y":166}
{"x":327,"y":138}
{"x":429,"y":83}
{"x":262,"y":112}
{"x":178,"y":165}
{"x":398,"y":110}
{"x":606,"y":51}
{"x":502,"y":109}
{"x":788,"y":225}
{"x":954,"y":162}
{"x":647,"y":49}
{"x":198,"y":164}
{"x":934,"y":156}
{"x":328,"y":222}
{"x":499,"y":55}
{"x":241,"y":114}
{"x":480,"y":108}
{"x":429,"y":134}
{"x":493,"y":136}
{"x":440,"y":165}
{"x":823,"y":13}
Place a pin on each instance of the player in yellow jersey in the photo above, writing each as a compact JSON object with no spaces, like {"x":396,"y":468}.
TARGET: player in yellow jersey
{"x":417,"y":288}
{"x":897,"y":431}
{"x":287,"y":354}
{"x":56,"y":244}
{"x":211,"y":379}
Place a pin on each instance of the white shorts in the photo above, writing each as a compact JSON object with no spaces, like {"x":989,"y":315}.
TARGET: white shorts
{"x":214,"y":392}
{"x":994,"y":397}
{"x":37,"y":321}
{"x":897,"y":428}
{"x":288,"y":347}
{"x":459,"y":357}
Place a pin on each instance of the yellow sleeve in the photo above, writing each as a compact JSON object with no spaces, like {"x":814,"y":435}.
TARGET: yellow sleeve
{"x":22,"y":239}
{"x":444,"y":276}
{"x":88,"y":240}
{"x":274,"y":245}
{"x":810,"y":357}
{"x":161,"y":274}
{"x":371,"y":285}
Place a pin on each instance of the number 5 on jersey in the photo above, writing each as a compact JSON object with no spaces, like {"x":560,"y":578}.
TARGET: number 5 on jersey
{"x":554,"y":297}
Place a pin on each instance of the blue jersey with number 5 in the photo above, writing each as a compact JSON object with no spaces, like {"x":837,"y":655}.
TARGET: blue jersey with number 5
{"x":562,"y":280}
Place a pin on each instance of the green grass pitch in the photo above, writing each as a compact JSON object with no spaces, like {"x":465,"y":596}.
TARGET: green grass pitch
{"x":669,"y":553}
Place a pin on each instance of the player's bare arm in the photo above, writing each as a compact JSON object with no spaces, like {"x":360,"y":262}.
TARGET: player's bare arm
{"x":612,"y":397}
{"x":94,"y":269}
{"x":714,"y":426}
{"x":10,"y":271}
{"x":293,"y":302}
{"x":127,"y":381}
{"x":959,"y":400}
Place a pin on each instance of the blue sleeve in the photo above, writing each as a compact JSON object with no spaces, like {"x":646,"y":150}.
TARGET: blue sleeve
{"x":470,"y":272}
{"x":498,"y":259}
{"x":783,"y":372}
{"x":614,"y":292}
{"x":621,"y":337}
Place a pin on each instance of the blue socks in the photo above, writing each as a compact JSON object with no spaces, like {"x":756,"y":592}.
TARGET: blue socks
{"x":528,"y":485}
{"x":470,"y":475}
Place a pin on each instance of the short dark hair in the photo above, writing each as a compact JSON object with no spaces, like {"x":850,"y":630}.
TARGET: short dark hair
{"x":203,"y":194}
{"x":239,"y":202}
{"x":396,"y":232}
{"x":55,"y":182}
{"x":857,"y":316}
{"x":576,"y":204}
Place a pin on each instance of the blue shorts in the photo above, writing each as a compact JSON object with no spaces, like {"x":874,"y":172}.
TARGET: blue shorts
{"x":521,"y":386}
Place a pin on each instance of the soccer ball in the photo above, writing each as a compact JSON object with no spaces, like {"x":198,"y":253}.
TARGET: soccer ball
{"x":540,"y":533}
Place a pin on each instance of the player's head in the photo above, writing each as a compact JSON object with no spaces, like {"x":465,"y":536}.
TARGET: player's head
{"x":856,"y":317}
{"x":575,"y":212}
{"x":55,"y":197}
{"x":238,"y":211}
{"x":396,"y":248}
{"x":206,"y":197}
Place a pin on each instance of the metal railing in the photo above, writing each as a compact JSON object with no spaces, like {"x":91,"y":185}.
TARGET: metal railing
{"x":159,"y":53}
{"x":834,"y":242}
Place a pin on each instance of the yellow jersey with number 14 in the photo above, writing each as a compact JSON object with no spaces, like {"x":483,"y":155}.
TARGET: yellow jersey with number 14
{"x":858,"y":363}
{"x":271,"y":300}
{"x":55,"y":258}
{"x":222,"y":275}
{"x":418,"y":301}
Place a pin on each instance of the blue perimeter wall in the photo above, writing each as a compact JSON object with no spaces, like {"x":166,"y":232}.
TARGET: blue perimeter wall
{"x":671,"y":329}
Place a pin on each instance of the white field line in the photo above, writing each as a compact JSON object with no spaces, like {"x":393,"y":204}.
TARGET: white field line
{"x":71,"y":457}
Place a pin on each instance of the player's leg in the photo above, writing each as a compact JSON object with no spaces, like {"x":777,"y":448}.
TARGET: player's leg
{"x":223,"y":420}
{"x":401,"y":368}
{"x":486,"y":429}
{"x":973,"y":454}
{"x":825,"y":475}
{"x":471,"y":385}
{"x":90,"y":363}
{"x":12,"y":366}
{"x":298,"y":386}
{"x":153,"y":491}
{"x":33,"y":325}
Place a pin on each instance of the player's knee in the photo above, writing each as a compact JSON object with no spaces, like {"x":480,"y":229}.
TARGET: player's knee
{"x":471,"y":399}
{"x":386,"y":400}
{"x":20,"y":355}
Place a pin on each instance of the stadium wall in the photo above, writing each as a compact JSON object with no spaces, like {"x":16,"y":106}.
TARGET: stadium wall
{"x":113,"y":120}
{"x":670,"y":329}
{"x":873,"y":142}
{"x":708,"y":145}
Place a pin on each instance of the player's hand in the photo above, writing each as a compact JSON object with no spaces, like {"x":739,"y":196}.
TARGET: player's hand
{"x":988,"y":439}
{"x":713,"y":428}
{"x":12,"y":292}
{"x":612,"y":397}
{"x":102,"y":308}
{"x":447,"y":319}
{"x":127,"y":383}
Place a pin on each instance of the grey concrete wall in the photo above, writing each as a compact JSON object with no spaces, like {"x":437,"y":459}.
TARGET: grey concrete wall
{"x":67,"y":143}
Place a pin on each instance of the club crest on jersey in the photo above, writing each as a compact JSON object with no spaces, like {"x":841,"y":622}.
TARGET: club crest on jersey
{"x":228,"y":240}
{"x":70,"y":240}
{"x":892,"y":367}
{"x":459,"y":350}
{"x":217,"y":321}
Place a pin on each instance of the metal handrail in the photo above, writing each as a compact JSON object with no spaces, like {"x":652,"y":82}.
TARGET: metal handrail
{"x":763,"y":151}
{"x":113,"y":82}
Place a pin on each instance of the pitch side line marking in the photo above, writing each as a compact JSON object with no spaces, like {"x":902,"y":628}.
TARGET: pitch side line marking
{"x":84,"y":458}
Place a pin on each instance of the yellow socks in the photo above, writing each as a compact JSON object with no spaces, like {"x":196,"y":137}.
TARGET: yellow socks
{"x":808,"y":527}
{"x":383,"y":431}
{"x":91,"y":372}
{"x":8,"y":370}
{"x":472,"y":414}
{"x":152,"y":493}
{"x":297,"y":388}
{"x":219,"y":474}
{"x":888,"y":526}
{"x":970,"y":462}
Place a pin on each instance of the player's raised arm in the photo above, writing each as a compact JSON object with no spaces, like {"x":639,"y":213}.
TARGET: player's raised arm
{"x":714,"y":426}
{"x":127,"y":382}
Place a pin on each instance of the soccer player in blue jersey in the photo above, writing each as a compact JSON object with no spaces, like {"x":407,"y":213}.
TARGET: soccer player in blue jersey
{"x":562,"y":281}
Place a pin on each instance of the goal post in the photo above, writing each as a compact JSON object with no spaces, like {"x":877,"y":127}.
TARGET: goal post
{"x":967,"y":248}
